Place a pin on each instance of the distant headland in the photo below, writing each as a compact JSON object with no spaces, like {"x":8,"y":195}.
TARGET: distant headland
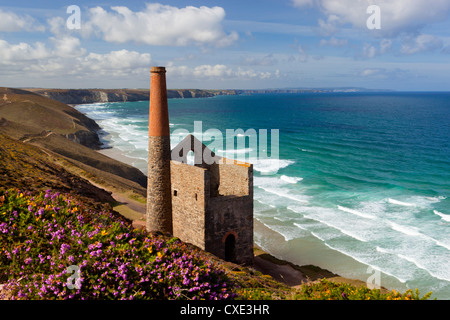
{"x":85,"y":96}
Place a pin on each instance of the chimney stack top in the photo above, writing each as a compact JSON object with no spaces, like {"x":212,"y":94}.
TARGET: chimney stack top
{"x":158,"y":70}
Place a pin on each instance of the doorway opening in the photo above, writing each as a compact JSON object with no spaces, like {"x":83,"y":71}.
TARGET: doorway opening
{"x":230,"y":248}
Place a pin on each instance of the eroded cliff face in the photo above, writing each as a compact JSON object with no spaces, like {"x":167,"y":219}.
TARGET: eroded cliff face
{"x":82,"y":96}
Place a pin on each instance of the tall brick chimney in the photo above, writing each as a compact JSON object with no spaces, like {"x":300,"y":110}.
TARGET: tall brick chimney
{"x":159,"y":194}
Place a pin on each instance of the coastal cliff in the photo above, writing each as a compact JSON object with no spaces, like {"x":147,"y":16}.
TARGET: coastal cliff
{"x":59,"y":129}
{"x":85,"y":96}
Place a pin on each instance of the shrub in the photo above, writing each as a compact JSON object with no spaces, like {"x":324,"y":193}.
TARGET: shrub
{"x":42,"y":236}
{"x":328,"y":290}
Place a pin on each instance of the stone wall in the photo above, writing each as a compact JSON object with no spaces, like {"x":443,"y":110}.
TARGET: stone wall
{"x":205,"y":217}
{"x":190,"y":191}
{"x":234,"y":179}
{"x":230,"y":215}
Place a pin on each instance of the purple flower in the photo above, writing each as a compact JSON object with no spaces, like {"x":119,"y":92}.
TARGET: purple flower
{"x":64,"y":248}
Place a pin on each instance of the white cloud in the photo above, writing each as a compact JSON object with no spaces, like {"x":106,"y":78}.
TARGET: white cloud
{"x":161,"y":24}
{"x":396,"y":16}
{"x":219,"y":72}
{"x":384,"y":73}
{"x":114,"y":63}
{"x":303,"y":3}
{"x":376,"y":49}
{"x":266,"y":60}
{"x":11,"y":22}
{"x":67,"y":57}
{"x":421,"y":43}
{"x":67,"y":47}
{"x":11,"y":54}
{"x":334,"y":42}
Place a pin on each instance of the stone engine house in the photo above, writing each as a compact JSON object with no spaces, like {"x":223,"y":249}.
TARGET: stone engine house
{"x":208,"y":204}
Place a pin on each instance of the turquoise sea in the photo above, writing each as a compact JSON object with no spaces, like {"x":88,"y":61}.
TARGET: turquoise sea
{"x":362,"y":185}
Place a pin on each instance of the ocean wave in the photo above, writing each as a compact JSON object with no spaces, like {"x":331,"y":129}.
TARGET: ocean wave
{"x":445,"y":217}
{"x":413,"y":231}
{"x":365,"y":262}
{"x":288,"y":233}
{"x":292,"y":180}
{"x":270,"y":166}
{"x":401,"y":203}
{"x":355,"y":212}
{"x":408,"y":230}
{"x":283,"y":193}
{"x":336,"y":227}
{"x":416,"y":261}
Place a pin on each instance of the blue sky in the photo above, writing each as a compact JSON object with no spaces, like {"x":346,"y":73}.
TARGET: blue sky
{"x":230,"y":44}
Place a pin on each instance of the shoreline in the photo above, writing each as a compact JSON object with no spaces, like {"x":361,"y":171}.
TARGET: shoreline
{"x":266,"y":262}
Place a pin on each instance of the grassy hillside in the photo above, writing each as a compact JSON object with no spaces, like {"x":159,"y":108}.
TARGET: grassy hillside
{"x":37,"y":113}
{"x":62,"y":130}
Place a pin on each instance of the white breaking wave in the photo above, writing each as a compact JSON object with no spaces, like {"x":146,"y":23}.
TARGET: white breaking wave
{"x":410,"y":231}
{"x":400,"y":203}
{"x":281,"y":193}
{"x":364,"y":261}
{"x":355,"y":212}
{"x":292,"y":180}
{"x":413,"y":231}
{"x":342,"y":230}
{"x":416,"y":262}
{"x":270,"y":166}
{"x":445,"y":217}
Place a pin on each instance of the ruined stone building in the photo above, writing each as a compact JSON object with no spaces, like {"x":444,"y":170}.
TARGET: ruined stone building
{"x":208,"y":204}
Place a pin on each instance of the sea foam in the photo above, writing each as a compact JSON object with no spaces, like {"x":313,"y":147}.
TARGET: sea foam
{"x":292,"y":180}
{"x":445,"y":217}
{"x":401,"y":203}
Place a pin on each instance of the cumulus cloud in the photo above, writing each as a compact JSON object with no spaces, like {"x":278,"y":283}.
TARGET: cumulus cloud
{"x":115,"y":63}
{"x":161,"y":24}
{"x":219,"y":71}
{"x":373,"y":50}
{"x":11,"y":22}
{"x":67,"y":57}
{"x":334,"y":42}
{"x":421,"y":43}
{"x":396,"y":16}
{"x":11,"y":54}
